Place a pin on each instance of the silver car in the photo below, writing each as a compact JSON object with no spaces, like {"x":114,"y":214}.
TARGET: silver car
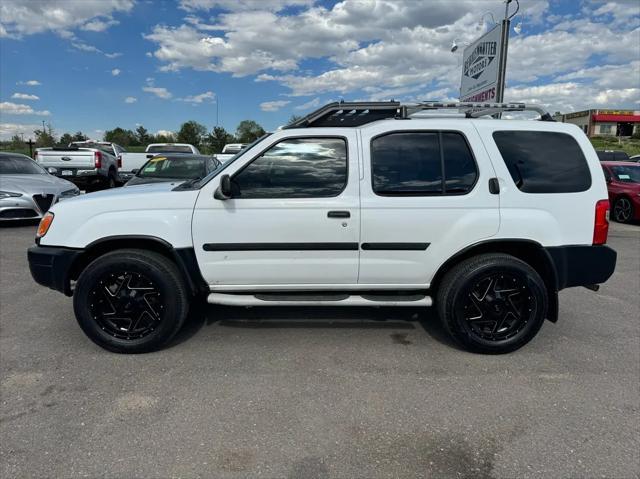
{"x":27,"y":191}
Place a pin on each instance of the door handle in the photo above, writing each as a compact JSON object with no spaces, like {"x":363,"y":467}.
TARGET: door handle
{"x":494,"y":186}
{"x":338,"y":214}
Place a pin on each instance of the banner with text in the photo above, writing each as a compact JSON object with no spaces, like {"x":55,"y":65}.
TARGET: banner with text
{"x":480,"y":66}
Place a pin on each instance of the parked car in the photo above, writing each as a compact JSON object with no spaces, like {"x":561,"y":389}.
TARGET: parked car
{"x":131,"y":162}
{"x":178,"y":167}
{"x":484,"y":219}
{"x":623,"y":184}
{"x":230,"y":150}
{"x":88,"y":164}
{"x":612,"y":155}
{"x":27,"y":190}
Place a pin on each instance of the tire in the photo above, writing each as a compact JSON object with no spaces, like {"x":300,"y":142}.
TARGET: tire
{"x":492,"y":303}
{"x":131,"y":301}
{"x":112,"y":180}
{"x":623,"y":210}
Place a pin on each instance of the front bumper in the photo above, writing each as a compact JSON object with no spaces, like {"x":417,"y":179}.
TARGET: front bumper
{"x":50,"y":266}
{"x":582,"y":265}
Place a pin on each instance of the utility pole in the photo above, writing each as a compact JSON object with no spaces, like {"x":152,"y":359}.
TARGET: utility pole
{"x":504,"y":45}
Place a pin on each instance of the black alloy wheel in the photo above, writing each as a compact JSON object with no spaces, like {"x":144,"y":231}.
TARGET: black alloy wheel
{"x":498,"y":306}
{"x":623,"y":210}
{"x":131,"y":300}
{"x":492,"y":303}
{"x":126,"y":305}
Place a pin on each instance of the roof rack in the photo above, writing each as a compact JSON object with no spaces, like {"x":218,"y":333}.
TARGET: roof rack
{"x":360,"y":113}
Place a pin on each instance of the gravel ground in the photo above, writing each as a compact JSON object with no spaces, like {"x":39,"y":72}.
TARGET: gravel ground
{"x":328,"y":393}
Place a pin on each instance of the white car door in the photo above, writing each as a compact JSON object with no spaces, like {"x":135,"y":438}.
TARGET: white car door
{"x":293,"y":219}
{"x":414,"y":217}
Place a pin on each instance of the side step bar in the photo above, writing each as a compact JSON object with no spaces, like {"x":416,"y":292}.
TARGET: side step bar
{"x":320,"y":300}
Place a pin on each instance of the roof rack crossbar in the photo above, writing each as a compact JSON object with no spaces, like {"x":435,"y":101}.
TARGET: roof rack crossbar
{"x":360,"y":113}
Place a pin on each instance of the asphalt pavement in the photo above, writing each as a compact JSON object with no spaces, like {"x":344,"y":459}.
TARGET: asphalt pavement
{"x":324,"y":393}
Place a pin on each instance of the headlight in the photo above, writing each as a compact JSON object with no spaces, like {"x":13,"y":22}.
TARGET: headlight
{"x":70,"y":193}
{"x":8,"y":194}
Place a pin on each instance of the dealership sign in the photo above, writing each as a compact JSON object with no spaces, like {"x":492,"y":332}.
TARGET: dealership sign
{"x":480,"y":66}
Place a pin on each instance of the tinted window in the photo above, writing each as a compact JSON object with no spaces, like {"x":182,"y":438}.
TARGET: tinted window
{"x":620,"y":156}
{"x":18,"y":165}
{"x":459,"y":166}
{"x":627,"y":174}
{"x":181,"y":168}
{"x":169,"y":149}
{"x":296,"y":168}
{"x":544,"y":162}
{"x":410,"y":163}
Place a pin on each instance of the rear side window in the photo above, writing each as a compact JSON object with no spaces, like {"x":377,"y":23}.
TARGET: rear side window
{"x":544,"y":161}
{"x":422,"y":163}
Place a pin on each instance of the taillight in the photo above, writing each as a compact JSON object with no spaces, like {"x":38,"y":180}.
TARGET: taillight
{"x":601,"y":226}
{"x":119,"y":161}
{"x":97,"y":159}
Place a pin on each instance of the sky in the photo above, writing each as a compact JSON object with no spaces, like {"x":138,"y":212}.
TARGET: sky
{"x":93,"y":65}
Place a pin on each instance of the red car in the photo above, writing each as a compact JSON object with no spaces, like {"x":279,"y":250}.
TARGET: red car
{"x":623,"y":183}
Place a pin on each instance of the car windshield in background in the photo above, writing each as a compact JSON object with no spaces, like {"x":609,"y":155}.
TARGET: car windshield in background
{"x":14,"y":165}
{"x":168,"y":167}
{"x":627,"y":174}
{"x":169,"y":149}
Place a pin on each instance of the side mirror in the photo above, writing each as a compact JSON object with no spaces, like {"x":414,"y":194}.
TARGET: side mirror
{"x":223,"y":191}
{"x":135,"y":171}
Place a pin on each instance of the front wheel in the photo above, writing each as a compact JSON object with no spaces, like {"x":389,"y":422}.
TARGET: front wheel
{"x":131,"y":301}
{"x":623,"y":210}
{"x":492,"y":303}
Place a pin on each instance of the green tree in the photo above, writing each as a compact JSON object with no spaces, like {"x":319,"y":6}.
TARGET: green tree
{"x":218,"y":138}
{"x":120,"y":136}
{"x":79,"y":136}
{"x":249,"y":131}
{"x":143,"y":135}
{"x":65,"y":139}
{"x":293,"y":119}
{"x":45,"y":137}
{"x":191,"y":132}
{"x":16,"y":142}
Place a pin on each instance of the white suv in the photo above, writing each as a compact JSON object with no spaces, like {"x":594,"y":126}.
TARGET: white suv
{"x":356,"y":204}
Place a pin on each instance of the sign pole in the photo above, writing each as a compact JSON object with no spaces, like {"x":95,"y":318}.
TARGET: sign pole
{"x":504,"y":45}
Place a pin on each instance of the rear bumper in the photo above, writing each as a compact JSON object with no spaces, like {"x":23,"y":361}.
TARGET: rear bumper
{"x":582,"y":265}
{"x":50,"y":266}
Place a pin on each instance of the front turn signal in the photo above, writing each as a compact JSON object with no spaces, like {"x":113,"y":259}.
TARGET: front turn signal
{"x":44,"y":225}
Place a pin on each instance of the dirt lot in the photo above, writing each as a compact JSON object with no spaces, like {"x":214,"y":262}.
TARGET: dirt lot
{"x":320,"y":394}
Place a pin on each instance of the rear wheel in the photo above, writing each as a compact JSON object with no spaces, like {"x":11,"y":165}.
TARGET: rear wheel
{"x":492,"y":303}
{"x":131,"y":301}
{"x":623,"y":210}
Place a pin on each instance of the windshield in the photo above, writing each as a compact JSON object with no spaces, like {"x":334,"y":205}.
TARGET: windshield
{"x":627,"y":174}
{"x":169,"y":149}
{"x":16,"y":165}
{"x":180,"y":168}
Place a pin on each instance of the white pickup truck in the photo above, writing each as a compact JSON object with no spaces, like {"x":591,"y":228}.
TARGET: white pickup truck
{"x":229,"y":151}
{"x":88,"y":164}
{"x":131,"y":162}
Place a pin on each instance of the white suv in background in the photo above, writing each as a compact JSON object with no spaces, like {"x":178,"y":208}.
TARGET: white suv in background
{"x":356,"y":204}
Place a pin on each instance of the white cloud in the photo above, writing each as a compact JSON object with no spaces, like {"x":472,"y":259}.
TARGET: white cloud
{"x":158,"y":91}
{"x":315,"y":103}
{"x":115,"y":72}
{"x":98,"y":25}
{"x":9,"y":108}
{"x":243,"y":5}
{"x":20,"y":18}
{"x":202,"y":97}
{"x":130,"y":99}
{"x":85,"y":47}
{"x":273,"y":105}
{"x":113,"y":55}
{"x":24,"y":96}
{"x":29,"y":83}
{"x":8,"y":130}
